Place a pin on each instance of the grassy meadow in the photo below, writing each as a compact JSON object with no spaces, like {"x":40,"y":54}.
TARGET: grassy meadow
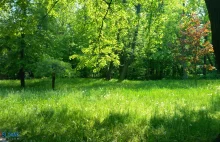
{"x":96,"y":110}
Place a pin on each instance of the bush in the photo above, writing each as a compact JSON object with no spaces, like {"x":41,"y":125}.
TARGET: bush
{"x":47,"y":66}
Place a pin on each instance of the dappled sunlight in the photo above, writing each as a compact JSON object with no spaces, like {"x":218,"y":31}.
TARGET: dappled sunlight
{"x":97,"y":110}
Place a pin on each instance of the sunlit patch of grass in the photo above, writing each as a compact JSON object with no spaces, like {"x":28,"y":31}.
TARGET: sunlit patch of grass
{"x":97,"y":110}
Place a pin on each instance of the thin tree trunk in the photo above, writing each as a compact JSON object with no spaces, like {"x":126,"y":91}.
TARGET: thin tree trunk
{"x":204,"y":68}
{"x":205,"y":61}
{"x":173,"y":71}
{"x":109,"y":72}
{"x":210,"y":61}
{"x":22,"y":46}
{"x":185,"y":75}
{"x":53,"y":80}
{"x":22,"y":70}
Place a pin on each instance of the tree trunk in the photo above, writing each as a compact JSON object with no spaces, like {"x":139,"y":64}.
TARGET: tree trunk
{"x":124,"y":71}
{"x":127,"y":61}
{"x":185,"y":75}
{"x":53,"y":80}
{"x":205,"y":61}
{"x":209,"y":59}
{"x":174,"y":71}
{"x":109,"y":72}
{"x":23,"y":7}
{"x":204,"y":68}
{"x":213,"y":7}
{"x":22,"y":77}
{"x":22,"y":70}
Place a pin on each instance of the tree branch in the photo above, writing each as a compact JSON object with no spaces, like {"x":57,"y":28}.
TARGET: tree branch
{"x":107,"y":2}
{"x":45,"y":16}
{"x":109,"y":6}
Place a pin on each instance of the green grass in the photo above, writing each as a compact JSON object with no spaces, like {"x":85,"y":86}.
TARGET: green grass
{"x":98,"y":110}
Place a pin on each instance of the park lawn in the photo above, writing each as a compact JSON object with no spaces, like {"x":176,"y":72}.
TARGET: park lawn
{"x":99,"y":110}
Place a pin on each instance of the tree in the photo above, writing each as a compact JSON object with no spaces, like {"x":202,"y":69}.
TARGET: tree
{"x":131,"y":39}
{"x":213,"y":7}
{"x":193,"y":45}
{"x":24,"y":34}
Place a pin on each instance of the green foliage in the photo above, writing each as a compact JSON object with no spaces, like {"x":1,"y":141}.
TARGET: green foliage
{"x":134,"y":38}
{"x":193,"y":46}
{"x":47,"y":66}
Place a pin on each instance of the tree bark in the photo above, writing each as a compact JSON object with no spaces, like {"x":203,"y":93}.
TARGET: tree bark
{"x":23,"y":6}
{"x":209,"y":59}
{"x":127,"y":61}
{"x":123,"y":72}
{"x":22,"y":70}
{"x":204,"y":68}
{"x":213,"y":7}
{"x":185,"y":74}
{"x":53,"y":80}
{"x":109,"y":72}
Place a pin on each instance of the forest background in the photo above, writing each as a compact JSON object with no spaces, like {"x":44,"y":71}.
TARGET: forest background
{"x":127,"y":39}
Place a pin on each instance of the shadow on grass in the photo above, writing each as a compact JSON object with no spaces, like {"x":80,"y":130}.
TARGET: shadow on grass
{"x":45,"y":84}
{"x":53,"y":125}
{"x":186,"y":125}
{"x":189,"y":126}
{"x":112,"y":120}
{"x":133,"y":85}
{"x":66,"y":125}
{"x":215,"y":103}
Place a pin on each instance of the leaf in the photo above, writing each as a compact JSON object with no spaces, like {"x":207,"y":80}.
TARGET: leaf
{"x":73,"y":57}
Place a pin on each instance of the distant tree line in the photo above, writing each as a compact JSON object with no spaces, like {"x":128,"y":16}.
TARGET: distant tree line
{"x":127,"y":39}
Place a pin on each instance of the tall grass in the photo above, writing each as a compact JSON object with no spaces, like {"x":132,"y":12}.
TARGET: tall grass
{"x":98,"y":110}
